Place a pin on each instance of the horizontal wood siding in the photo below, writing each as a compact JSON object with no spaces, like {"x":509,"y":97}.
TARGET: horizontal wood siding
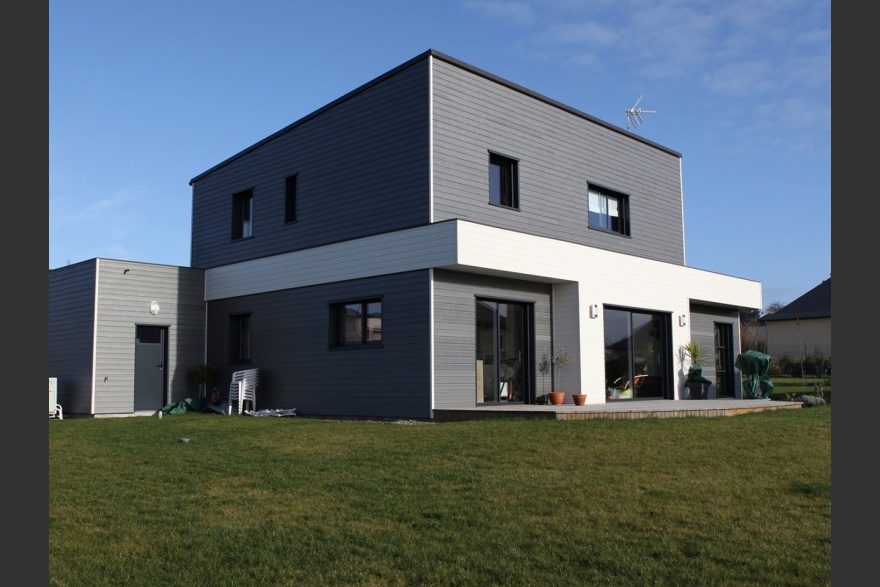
{"x":71,"y":330}
{"x":455,"y":329}
{"x":393,"y":252}
{"x":124,"y":294}
{"x":702,"y":327}
{"x":558,"y":153}
{"x":362,"y":168}
{"x":290,"y":345}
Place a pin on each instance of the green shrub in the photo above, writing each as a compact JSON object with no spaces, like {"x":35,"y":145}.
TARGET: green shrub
{"x":814,"y":365}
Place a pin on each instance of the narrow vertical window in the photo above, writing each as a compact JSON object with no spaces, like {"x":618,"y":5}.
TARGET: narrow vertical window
{"x":290,"y":199}
{"x":242,"y":215}
{"x":240,"y":338}
{"x":503,"y":181}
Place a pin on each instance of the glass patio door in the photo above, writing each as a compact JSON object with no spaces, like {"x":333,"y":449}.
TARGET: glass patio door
{"x":502,"y":351}
{"x":636,"y":352}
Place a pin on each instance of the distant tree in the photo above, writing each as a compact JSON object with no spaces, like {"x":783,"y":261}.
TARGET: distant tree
{"x":752,"y":334}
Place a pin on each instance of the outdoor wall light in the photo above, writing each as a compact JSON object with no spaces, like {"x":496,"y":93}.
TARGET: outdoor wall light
{"x":682,"y":320}
{"x":594,"y":310}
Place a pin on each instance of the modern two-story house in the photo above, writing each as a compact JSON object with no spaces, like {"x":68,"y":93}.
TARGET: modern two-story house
{"x":426,"y":240}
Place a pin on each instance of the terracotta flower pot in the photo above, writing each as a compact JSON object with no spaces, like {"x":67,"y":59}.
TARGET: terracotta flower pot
{"x":556,"y":397}
{"x":579,"y":398}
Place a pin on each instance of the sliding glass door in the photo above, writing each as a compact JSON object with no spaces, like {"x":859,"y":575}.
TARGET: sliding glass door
{"x":636,"y":355}
{"x":503,"y":356}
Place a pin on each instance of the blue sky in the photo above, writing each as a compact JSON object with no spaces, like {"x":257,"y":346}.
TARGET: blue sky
{"x":145,"y":96}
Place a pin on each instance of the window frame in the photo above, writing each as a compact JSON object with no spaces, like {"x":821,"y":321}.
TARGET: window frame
{"x":606,"y":222}
{"x":290,"y":198}
{"x":338,"y":315}
{"x":508,"y":181}
{"x":240,"y":336}
{"x":243,"y":215}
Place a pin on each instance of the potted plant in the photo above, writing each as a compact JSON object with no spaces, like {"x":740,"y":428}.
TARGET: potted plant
{"x":559,"y":361}
{"x":696,"y":354}
{"x":544,"y":368}
{"x":204,"y":376}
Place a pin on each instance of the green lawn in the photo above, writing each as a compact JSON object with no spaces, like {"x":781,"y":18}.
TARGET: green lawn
{"x":742,"y":500}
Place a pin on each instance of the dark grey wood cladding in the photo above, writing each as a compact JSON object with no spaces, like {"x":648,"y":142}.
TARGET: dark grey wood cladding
{"x":362,"y":168}
{"x":290,"y":345}
{"x":558,"y":152}
{"x":71,"y":328}
{"x":122,"y":292}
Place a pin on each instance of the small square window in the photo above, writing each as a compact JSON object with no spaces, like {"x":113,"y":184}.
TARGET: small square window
{"x":240,"y":338}
{"x":357,"y":323}
{"x":290,"y":199}
{"x":242,"y":215}
{"x":503,"y":181}
{"x":608,"y":211}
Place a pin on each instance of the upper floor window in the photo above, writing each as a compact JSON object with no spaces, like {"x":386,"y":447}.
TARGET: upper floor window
{"x":608,"y":210}
{"x":240,"y":338}
{"x":357,"y":323}
{"x":503,"y":182}
{"x":242,"y":215}
{"x":290,"y":199}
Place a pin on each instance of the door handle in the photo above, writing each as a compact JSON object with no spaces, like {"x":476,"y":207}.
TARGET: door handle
{"x":160,"y":365}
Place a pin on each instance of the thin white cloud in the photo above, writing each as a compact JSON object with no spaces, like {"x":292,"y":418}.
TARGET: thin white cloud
{"x":766,"y":60}
{"x":515,"y":12}
{"x":675,"y":38}
{"x":587,"y":33}
{"x":98,"y":229}
{"x":742,"y":78}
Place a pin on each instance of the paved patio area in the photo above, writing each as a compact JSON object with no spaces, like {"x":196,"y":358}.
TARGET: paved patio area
{"x":619,"y":410}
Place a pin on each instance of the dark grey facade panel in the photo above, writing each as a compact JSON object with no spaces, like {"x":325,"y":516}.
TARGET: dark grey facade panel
{"x":362,"y":168}
{"x":71,"y":324}
{"x":702,"y":325}
{"x":558,"y":154}
{"x":455,"y":296}
{"x":299,"y":369}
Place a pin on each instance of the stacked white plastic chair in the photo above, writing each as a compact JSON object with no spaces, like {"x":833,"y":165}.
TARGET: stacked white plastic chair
{"x":243,"y":388}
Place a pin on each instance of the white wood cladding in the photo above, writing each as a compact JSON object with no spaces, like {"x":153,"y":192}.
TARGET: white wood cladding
{"x":609,"y":277}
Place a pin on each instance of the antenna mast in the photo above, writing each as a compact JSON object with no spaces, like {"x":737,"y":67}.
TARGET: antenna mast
{"x":634,"y":115}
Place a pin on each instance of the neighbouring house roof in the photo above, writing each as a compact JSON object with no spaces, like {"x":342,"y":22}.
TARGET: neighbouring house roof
{"x":816,"y":303}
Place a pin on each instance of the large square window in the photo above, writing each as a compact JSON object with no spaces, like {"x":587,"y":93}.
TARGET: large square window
{"x":290,"y":199}
{"x":503,"y":183}
{"x":240,"y":338}
{"x":242,"y":215}
{"x":357,"y":323}
{"x":608,"y":210}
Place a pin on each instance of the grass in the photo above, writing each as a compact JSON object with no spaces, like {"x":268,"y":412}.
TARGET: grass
{"x":744,"y":500}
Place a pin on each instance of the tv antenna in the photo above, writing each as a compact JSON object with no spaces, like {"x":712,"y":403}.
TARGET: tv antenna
{"x":634,"y":115}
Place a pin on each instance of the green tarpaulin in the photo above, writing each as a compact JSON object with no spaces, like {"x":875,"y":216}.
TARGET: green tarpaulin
{"x":696,"y":384}
{"x":754,"y":366}
{"x":190,"y":404}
